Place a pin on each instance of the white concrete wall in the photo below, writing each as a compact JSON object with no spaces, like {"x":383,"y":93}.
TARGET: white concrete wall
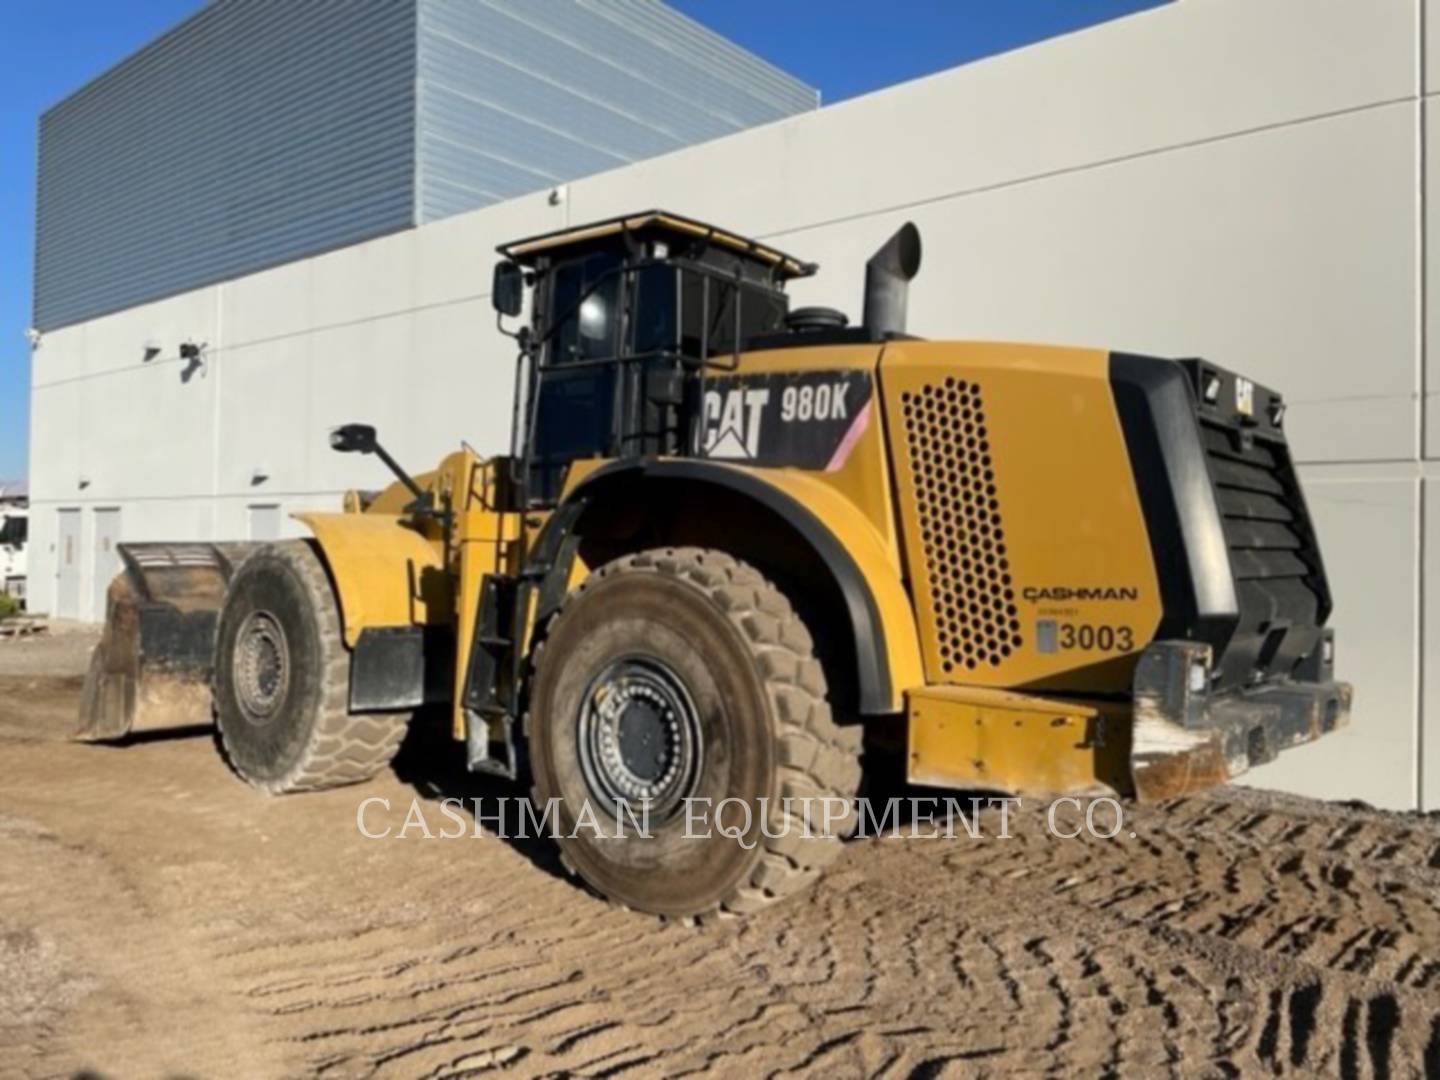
{"x":1224,"y":178}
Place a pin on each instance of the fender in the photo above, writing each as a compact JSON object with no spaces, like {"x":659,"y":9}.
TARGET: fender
{"x":882,"y":619}
{"x":385,"y":573}
{"x":395,"y":608}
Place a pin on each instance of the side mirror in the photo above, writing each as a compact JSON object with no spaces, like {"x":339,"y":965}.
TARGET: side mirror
{"x":353,"y":439}
{"x":507,"y":292}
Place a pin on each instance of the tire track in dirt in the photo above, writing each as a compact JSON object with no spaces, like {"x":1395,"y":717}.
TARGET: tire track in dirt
{"x":1233,"y":933}
{"x":1058,"y":973}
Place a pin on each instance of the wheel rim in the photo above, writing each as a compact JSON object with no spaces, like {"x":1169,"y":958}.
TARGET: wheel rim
{"x":262,"y":666}
{"x":639,"y":737}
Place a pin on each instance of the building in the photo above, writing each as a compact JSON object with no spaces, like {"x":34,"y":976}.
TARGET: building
{"x":257,"y":133}
{"x":1246,"y":182}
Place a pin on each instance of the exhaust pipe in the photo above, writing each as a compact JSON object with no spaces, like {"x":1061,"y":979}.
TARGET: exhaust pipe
{"x":887,"y":282}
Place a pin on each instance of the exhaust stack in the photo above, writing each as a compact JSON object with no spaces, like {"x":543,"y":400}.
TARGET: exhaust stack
{"x":887,"y":281}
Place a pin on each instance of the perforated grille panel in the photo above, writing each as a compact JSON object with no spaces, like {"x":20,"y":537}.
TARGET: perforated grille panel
{"x":972,"y":597}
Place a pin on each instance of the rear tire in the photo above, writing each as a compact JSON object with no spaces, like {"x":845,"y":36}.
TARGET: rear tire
{"x":690,"y":649}
{"x":282,"y":680}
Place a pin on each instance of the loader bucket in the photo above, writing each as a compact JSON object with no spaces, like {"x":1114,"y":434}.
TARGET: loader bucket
{"x":152,"y":667}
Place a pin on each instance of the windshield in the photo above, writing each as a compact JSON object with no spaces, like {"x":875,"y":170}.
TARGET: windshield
{"x":707,"y":313}
{"x":762,"y":311}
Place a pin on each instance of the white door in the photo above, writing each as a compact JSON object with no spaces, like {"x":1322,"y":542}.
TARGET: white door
{"x":107,"y":559}
{"x":67,"y":562}
{"x":265,"y":522}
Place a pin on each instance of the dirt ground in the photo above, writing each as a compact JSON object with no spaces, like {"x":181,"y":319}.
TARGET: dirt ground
{"x":158,"y":918}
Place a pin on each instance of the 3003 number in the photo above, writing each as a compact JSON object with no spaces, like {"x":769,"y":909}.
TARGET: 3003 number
{"x":1092,"y":638}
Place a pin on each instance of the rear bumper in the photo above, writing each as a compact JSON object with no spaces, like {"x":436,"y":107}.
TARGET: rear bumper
{"x":1186,"y":738}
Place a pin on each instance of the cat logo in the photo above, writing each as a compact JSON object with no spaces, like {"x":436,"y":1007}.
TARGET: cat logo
{"x":795,"y":419}
{"x":732,"y":422}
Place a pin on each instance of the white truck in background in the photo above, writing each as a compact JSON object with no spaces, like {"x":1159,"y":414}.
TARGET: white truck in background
{"x":14,"y":534}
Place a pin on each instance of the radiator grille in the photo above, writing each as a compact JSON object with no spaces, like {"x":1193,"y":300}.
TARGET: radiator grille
{"x":972,"y":597}
{"x":1273,"y":554}
{"x":1265,"y":524}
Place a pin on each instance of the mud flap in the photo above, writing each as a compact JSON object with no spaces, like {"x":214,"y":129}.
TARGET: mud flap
{"x":152,"y":667}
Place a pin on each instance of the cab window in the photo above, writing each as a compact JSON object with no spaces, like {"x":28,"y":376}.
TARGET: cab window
{"x":761,"y":312}
{"x":708,"y":308}
{"x":656,"y":310}
{"x":585,"y":301}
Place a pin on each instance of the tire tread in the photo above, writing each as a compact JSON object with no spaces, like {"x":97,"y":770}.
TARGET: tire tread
{"x":815,"y":756}
{"x":344,"y":747}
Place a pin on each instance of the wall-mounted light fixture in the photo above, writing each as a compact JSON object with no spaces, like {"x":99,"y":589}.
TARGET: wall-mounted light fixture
{"x":194,"y":357}
{"x":152,"y":350}
{"x":259,"y":475}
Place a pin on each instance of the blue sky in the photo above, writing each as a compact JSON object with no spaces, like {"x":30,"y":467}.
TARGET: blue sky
{"x":845,"y":47}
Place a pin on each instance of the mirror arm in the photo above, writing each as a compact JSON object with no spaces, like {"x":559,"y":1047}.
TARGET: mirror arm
{"x":421,"y":495}
{"x":500,"y":326}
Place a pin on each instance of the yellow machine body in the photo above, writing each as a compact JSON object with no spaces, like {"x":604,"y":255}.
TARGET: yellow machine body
{"x":391,"y":574}
{"x":973,"y":511}
{"x":976,"y":737}
{"x":985,"y":483}
{"x":385,"y":573}
{"x":988,"y":499}
{"x":1016,"y":489}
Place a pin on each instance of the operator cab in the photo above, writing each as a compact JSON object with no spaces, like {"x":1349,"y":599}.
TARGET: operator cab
{"x":627,"y":314}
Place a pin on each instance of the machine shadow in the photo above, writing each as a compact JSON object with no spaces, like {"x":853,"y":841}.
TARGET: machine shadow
{"x":162,"y":735}
{"x":886,"y":781}
{"x":432,"y":763}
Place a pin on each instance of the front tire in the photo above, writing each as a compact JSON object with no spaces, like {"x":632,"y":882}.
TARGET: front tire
{"x":282,"y":680}
{"x":684,"y":677}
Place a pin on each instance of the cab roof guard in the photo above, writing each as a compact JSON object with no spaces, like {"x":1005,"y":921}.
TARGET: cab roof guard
{"x":525,"y":252}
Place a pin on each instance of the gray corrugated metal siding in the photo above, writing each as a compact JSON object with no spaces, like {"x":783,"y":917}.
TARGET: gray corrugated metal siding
{"x":516,"y":96}
{"x":255,"y":132}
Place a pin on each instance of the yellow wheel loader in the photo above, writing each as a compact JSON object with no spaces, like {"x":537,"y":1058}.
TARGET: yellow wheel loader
{"x":731,"y":541}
